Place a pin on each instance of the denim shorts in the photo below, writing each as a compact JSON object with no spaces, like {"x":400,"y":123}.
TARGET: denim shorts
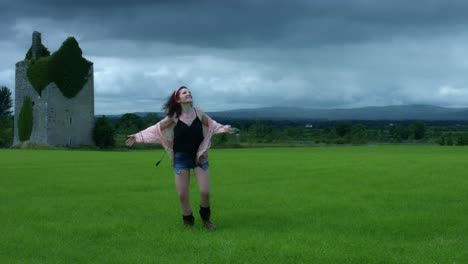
{"x":185,"y":161}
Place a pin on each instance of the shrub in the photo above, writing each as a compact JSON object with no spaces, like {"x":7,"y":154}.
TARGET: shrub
{"x":103,"y":133}
{"x":462,"y":139}
{"x":6,"y":131}
{"x":358,"y":134}
{"x":25,"y":121}
{"x":129,"y":124}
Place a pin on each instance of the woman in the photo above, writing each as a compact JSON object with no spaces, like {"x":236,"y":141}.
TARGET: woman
{"x":185,"y":134}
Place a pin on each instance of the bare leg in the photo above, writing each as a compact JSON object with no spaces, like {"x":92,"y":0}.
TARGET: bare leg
{"x":182,"y":182}
{"x":203,"y":179}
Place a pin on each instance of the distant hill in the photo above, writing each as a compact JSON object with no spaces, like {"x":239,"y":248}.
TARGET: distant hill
{"x":403,"y":112}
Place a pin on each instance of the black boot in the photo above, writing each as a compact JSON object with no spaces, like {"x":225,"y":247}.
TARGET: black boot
{"x":189,"y":220}
{"x":205,"y":214}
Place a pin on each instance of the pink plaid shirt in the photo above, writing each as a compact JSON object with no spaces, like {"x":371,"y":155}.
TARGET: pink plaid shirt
{"x":165,"y":136}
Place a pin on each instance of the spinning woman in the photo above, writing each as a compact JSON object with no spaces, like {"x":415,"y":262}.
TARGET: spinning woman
{"x":185,"y":133}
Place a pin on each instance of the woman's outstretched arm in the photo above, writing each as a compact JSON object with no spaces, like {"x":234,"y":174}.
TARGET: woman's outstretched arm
{"x":150,"y":134}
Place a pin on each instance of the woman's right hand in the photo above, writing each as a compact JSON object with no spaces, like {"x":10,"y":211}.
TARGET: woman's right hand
{"x":131,"y":140}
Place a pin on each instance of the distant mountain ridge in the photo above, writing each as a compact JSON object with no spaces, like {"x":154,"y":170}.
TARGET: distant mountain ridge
{"x":397,"y":112}
{"x":401,"y":112}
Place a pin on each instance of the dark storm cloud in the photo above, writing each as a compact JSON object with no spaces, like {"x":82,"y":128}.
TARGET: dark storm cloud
{"x":251,"y":53}
{"x":250,"y":23}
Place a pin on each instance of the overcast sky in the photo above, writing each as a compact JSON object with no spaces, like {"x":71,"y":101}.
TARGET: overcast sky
{"x":253,"y":53}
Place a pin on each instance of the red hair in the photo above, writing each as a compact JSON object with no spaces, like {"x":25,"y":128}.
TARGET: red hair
{"x":171,"y":106}
{"x":174,"y":97}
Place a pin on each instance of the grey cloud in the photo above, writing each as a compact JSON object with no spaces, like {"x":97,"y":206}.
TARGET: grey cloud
{"x":234,"y":24}
{"x":255,"y":53}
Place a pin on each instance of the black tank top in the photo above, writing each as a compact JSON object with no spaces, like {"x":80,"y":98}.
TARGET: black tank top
{"x":188,"y":138}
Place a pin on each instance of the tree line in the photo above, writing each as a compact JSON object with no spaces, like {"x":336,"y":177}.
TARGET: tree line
{"x":110,"y":132}
{"x":284,"y":133}
{"x":6,"y":118}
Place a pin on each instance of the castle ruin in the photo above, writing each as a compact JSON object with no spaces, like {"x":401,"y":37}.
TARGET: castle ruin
{"x":57,"y":120}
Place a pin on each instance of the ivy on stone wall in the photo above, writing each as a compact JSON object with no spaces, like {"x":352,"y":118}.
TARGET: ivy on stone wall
{"x":42,"y":52}
{"x":65,"y":67}
{"x":25,"y":121}
{"x":68,"y":69}
{"x":38,"y":74}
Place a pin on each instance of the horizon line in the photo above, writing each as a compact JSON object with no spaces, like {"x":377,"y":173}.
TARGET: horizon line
{"x":292,"y":107}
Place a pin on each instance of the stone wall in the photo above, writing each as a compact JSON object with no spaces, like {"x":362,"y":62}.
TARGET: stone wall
{"x":70,"y":121}
{"x":24,"y":88}
{"x":57,"y":120}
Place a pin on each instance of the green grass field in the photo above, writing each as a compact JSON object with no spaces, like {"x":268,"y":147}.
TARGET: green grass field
{"x":369,"y":204}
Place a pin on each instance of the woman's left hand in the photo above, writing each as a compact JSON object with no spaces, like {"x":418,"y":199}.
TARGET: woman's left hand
{"x":233,"y":130}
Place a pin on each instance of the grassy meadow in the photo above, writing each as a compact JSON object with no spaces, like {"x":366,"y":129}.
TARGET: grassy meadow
{"x":360,"y":204}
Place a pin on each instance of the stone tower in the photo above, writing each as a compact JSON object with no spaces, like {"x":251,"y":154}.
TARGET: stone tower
{"x":57,"y":120}
{"x":36,"y":44}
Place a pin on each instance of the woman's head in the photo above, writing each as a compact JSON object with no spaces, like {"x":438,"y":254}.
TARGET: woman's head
{"x":180,"y":96}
